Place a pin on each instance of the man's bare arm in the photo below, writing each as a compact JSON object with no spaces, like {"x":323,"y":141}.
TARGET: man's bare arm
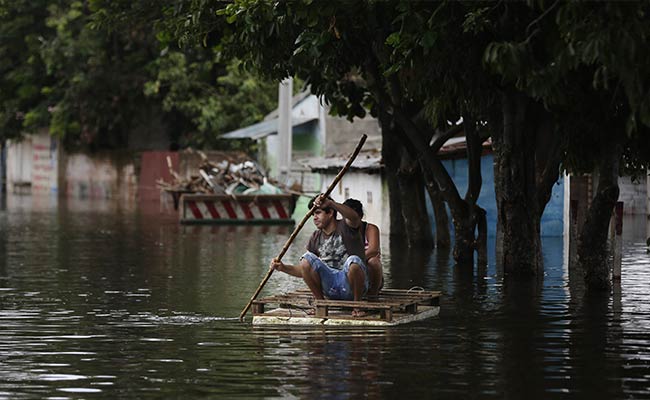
{"x":351,"y":217}
{"x":292,"y":270}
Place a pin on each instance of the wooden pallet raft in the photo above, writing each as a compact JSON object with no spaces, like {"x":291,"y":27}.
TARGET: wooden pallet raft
{"x":389,"y":307}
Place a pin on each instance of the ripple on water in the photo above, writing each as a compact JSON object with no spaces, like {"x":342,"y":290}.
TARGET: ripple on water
{"x":61,"y":377}
{"x":79,"y":390}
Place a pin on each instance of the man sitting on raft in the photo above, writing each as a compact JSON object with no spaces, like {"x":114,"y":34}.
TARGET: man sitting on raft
{"x":333,"y":266}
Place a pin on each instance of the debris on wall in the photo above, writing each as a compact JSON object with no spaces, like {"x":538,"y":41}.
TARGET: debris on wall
{"x":225,"y":177}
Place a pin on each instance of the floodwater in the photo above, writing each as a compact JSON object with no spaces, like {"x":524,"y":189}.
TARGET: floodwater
{"x":101,"y":302}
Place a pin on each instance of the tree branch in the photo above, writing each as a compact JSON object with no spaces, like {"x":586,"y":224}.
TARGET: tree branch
{"x":549,"y":174}
{"x":429,"y":163}
{"x":474,"y":150}
{"x":536,"y":20}
{"x":440,"y":138}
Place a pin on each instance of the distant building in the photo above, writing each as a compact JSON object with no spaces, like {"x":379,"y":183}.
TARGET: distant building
{"x":318,"y":138}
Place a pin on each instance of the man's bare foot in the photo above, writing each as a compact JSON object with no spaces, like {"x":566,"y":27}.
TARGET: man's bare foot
{"x":358,"y":313}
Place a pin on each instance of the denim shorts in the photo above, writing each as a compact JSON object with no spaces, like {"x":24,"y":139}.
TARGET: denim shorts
{"x":334,"y":282}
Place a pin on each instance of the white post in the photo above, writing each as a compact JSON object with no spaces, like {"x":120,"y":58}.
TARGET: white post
{"x":618,"y":240}
{"x":566,"y":217}
{"x":285,"y":142}
{"x":647,"y":191}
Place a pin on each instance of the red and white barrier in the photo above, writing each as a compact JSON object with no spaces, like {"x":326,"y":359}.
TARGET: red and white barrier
{"x":244,"y":209}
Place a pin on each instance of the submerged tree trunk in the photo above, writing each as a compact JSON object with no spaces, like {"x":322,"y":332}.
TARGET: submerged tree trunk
{"x":593,"y":255}
{"x":463,"y":239}
{"x":515,"y":185}
{"x":414,"y":211}
{"x":392,"y":162}
{"x":482,"y":237}
{"x":405,"y":191}
{"x":477,"y":216}
{"x":443,"y":236}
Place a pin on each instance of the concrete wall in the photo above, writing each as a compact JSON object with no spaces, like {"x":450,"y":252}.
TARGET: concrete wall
{"x":37,"y":165}
{"x":634,"y":195}
{"x":581,"y":189}
{"x":343,"y":135}
{"x":99,"y":176}
{"x":45,"y":163}
{"x":153,"y":166}
{"x":19,"y":164}
{"x":33,"y":164}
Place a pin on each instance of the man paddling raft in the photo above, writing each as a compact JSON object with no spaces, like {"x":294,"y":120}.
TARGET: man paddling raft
{"x":334,"y":265}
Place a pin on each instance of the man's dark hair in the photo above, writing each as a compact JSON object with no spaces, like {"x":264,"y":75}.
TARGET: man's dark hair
{"x":326,"y":209}
{"x":355,"y":205}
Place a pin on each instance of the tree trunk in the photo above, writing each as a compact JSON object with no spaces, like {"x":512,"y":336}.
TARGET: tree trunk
{"x":477,"y":216}
{"x":392,"y":161}
{"x":464,"y":241}
{"x":592,"y":249}
{"x":515,"y":186}
{"x":408,"y":211}
{"x":414,"y":211}
{"x":481,"y":239}
{"x":443,"y":236}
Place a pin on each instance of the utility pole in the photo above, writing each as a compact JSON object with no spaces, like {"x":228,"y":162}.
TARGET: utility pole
{"x":285,"y":142}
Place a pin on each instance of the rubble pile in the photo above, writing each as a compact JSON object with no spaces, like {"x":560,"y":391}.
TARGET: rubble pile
{"x":224,"y":177}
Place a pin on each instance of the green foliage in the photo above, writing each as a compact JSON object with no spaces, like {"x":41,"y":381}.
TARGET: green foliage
{"x":335,"y":45}
{"x":215,"y":103}
{"x":588,"y":63}
{"x":22,"y":73}
{"x":80,"y":83}
{"x":97,"y":72}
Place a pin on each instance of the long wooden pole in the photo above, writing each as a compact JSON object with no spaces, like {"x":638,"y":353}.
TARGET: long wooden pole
{"x":302,"y":223}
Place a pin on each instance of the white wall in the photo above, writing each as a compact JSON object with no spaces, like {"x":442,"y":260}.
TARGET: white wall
{"x":633,"y":195}
{"x":99,"y":177}
{"x":33,"y":161}
{"x":19,"y":163}
{"x":34,"y":165}
{"x":45,"y":163}
{"x":648,"y":206}
{"x":366,"y":188}
{"x":272,"y":147}
{"x":309,"y":107}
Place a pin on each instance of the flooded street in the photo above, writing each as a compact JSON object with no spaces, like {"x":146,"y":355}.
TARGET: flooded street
{"x":101,"y":302}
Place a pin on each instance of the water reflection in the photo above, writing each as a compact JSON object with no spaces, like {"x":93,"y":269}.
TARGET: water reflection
{"x":327,"y":363}
{"x":103,"y":301}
